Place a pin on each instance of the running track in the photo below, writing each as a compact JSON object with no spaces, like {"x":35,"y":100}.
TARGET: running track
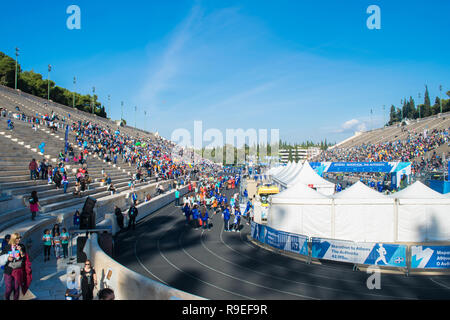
{"x":221,"y":265}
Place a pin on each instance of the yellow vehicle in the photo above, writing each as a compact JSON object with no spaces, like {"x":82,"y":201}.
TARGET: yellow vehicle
{"x":264,"y":192}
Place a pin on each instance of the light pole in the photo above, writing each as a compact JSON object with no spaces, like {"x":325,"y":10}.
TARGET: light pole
{"x":384,"y":115}
{"x":93,"y":96}
{"x":74,"y":88}
{"x":135,"y":111}
{"x":371,"y":122}
{"x":440,"y":95}
{"x":48,"y":82}
{"x":109,"y":106}
{"x":419,"y":105}
{"x":121,"y":111}
{"x":145,"y":119}
{"x":17,"y":55}
{"x":401,"y":109}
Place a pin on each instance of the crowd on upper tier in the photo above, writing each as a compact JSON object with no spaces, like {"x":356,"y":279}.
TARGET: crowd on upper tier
{"x":413,"y":148}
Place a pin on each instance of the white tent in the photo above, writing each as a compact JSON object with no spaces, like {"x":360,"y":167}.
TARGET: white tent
{"x":309,"y":177}
{"x":291,"y":168}
{"x":423,"y":214}
{"x":295,"y":169}
{"x":301,"y":210}
{"x":274,"y":171}
{"x":292,"y":176}
{"x":363,"y":214}
{"x":282,"y":172}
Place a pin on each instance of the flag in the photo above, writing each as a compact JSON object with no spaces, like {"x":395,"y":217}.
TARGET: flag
{"x":66,"y":138}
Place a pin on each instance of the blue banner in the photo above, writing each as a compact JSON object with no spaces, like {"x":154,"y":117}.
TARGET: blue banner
{"x":279,"y":239}
{"x":335,"y":167}
{"x":359,"y":252}
{"x":66,"y":139}
{"x":430,"y":257}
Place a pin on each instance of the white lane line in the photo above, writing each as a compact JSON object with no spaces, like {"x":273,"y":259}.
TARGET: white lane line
{"x":296,"y":282}
{"x":145,"y":268}
{"x":304,"y":273}
{"x":255,"y":284}
{"x":174,"y":266}
{"x":442,"y":285}
{"x":196,"y":278}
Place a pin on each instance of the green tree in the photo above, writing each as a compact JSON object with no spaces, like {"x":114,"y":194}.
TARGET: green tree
{"x":33,"y":83}
{"x":426,"y":100}
{"x":7,"y":70}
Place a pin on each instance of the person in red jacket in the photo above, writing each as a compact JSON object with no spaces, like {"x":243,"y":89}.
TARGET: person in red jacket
{"x":33,"y":169}
{"x":17,"y":273}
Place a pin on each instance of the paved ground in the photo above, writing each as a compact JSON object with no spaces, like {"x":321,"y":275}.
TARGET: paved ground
{"x":221,"y":265}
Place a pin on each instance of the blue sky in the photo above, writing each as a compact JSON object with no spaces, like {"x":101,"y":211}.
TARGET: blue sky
{"x":311,"y":69}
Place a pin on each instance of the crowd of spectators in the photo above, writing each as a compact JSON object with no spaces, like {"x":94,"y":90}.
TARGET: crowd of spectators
{"x":415,"y":148}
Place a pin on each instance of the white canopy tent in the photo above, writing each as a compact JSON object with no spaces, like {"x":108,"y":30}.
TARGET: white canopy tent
{"x":363,"y":214}
{"x":423,"y":214}
{"x":279,"y":178}
{"x":281,"y":172}
{"x":292,"y":176}
{"x":294,"y":170}
{"x":309,"y":177}
{"x":301,"y":210}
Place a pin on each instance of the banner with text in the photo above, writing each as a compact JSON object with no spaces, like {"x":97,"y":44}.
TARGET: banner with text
{"x":359,"y":252}
{"x":430,"y":257}
{"x":279,"y":239}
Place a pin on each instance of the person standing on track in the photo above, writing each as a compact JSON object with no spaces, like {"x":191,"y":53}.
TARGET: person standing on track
{"x":132,"y":213}
{"x":237,"y":220}
{"x":226,"y":219}
{"x":204,"y":217}
{"x":195,"y":217}
{"x":187,"y":212}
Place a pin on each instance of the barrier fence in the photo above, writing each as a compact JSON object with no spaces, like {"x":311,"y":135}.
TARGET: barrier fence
{"x":359,"y":253}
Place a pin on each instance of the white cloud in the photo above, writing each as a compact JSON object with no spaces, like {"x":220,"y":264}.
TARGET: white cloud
{"x":169,"y":63}
{"x":352,"y":126}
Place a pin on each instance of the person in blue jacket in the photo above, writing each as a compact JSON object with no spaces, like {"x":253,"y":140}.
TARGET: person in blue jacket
{"x":187,"y":212}
{"x":226,"y":219}
{"x":195,"y":216}
{"x":237,"y":220}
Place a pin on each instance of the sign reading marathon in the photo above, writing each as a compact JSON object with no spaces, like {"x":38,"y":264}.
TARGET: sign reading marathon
{"x":380,"y":254}
{"x":430,"y":257}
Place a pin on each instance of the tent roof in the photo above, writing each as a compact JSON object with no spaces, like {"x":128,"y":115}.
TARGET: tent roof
{"x":418,"y":191}
{"x":299,"y":191}
{"x":275,"y":170}
{"x":359,"y":191}
{"x":284,"y":170}
{"x":289,"y":173}
{"x":293,"y":175}
{"x":308,"y":176}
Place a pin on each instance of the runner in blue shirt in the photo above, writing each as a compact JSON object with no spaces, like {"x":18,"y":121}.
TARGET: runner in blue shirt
{"x":195,"y":217}
{"x":237,"y":220}
{"x":226,"y":219}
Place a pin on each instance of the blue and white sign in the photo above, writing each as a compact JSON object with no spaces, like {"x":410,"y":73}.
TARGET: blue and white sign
{"x":386,"y":167}
{"x":258,"y":232}
{"x":430,"y":257}
{"x":281,"y":240}
{"x":359,"y":253}
{"x":296,"y":244}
